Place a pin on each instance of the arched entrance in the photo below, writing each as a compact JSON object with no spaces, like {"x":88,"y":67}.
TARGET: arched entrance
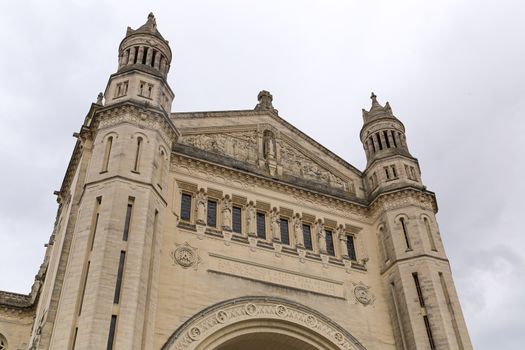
{"x":260,"y":323}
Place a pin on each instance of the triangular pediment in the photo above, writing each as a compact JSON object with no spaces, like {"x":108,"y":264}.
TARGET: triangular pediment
{"x":270,"y":144}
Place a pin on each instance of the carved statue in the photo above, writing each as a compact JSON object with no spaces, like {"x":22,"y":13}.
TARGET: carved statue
{"x":298,"y":231}
{"x":321,"y":236}
{"x":227,"y":213}
{"x":275,"y":224}
{"x":251,"y":219}
{"x":201,"y":206}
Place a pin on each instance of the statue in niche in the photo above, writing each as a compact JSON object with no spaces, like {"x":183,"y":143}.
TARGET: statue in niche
{"x":321,"y":236}
{"x":275,"y":224}
{"x":298,"y":231}
{"x":250,"y":217}
{"x":201,"y":206}
{"x":227,"y":213}
{"x":269,"y":145}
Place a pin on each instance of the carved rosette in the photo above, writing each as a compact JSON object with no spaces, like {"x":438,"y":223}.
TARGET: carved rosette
{"x":185,"y":255}
{"x":362,"y":294}
{"x":228,"y":313}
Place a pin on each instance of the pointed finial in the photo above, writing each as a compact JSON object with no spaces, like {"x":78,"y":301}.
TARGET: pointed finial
{"x":151,"y":15}
{"x":373,"y":96}
{"x":265,"y":99}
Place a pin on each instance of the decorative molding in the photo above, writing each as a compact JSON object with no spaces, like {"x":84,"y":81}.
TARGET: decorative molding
{"x":186,"y":256}
{"x":234,"y":312}
{"x":363,"y":294}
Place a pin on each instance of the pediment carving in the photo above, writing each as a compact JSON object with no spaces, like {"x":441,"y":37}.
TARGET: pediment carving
{"x":238,"y":145}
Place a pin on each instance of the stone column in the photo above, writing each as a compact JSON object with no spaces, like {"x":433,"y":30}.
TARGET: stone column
{"x":156,"y":64}
{"x":140,"y":54}
{"x":148,"y":56}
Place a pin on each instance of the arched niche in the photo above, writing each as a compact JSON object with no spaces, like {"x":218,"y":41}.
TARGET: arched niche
{"x":256,"y":321}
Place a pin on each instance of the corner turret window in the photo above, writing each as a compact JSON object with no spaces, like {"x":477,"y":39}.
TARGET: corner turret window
{"x":121,"y":89}
{"x":137,"y":155}
{"x":107,"y":154}
{"x":405,"y":232}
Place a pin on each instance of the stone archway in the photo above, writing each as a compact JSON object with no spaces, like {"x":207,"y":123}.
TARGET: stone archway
{"x":260,"y":323}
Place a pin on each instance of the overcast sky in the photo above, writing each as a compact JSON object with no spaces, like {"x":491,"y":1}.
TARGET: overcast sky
{"x":453,"y":71}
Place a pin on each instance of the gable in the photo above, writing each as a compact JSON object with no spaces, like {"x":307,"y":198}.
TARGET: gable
{"x":268,"y":143}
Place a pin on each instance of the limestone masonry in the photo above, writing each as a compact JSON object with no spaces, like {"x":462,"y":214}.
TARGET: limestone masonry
{"x":233,"y":230}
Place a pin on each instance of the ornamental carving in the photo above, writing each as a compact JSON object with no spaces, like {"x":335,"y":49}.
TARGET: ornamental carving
{"x":238,"y":145}
{"x":185,"y":255}
{"x":298,"y":165}
{"x":362,"y":294}
{"x":229,"y":313}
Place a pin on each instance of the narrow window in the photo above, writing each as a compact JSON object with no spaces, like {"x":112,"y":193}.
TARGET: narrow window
{"x":393,"y":138}
{"x":374,"y":175}
{"x":407,"y":171}
{"x":236,"y":219}
{"x":413,"y":172}
{"x":387,"y":173}
{"x":83,"y":289}
{"x":211,"y":215}
{"x":127,"y":221}
{"x":350,"y":246}
{"x":107,"y":153}
{"x":371,"y":181}
{"x":398,"y":314}
{"x":307,"y":237}
{"x":153,"y":56}
{"x":95,"y":222}
{"x":161,"y":169}
{"x":378,"y":138}
{"x":125,"y":88}
{"x":74,"y":340}
{"x":137,"y":154}
{"x":116,"y":297}
{"x":386,"y":139}
{"x":112,"y":328}
{"x":430,"y":236}
{"x":451,"y":310}
{"x":145,"y":55}
{"x":128,"y":51}
{"x":405,"y":233}
{"x":261,"y":225}
{"x":117,"y":90}
{"x":185,"y":207}
{"x":394,"y":171}
{"x":150,"y":89}
{"x":371,"y":145}
{"x":418,"y":289}
{"x":329,"y":239}
{"x":382,"y":238}
{"x":141,"y":88}
{"x":285,"y":234}
{"x":136,"y":55}
{"x":429,"y":333}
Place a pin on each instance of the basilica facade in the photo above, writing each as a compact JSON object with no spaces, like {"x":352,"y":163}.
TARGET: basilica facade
{"x":233,"y":230}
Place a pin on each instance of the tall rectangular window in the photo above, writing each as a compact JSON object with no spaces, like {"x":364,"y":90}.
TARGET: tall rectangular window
{"x":211,"y":215}
{"x":127,"y":222}
{"x":236,"y":219}
{"x":107,"y":154}
{"x":307,"y":236}
{"x":350,"y":246}
{"x":405,"y":232}
{"x":329,"y":237}
{"x":418,"y":289}
{"x":112,"y":328}
{"x":83,"y":289}
{"x":429,"y":333}
{"x":185,"y":207}
{"x":95,"y":222}
{"x":116,"y":298}
{"x":285,"y":234}
{"x":261,"y":225}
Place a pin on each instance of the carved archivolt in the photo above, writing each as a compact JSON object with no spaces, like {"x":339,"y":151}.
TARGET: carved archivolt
{"x":208,"y":322}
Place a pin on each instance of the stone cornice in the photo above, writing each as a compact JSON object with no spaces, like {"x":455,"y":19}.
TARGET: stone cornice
{"x":366,"y":210}
{"x":15,"y":302}
{"x":276,"y":117}
{"x":396,"y":262}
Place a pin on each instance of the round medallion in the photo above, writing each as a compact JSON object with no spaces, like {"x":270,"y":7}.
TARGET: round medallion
{"x":339,"y":337}
{"x":184,"y":256}
{"x":311,"y":321}
{"x":195,"y":333}
{"x":222,"y":316}
{"x":251,"y":309}
{"x":281,"y":310}
{"x":362,"y":295}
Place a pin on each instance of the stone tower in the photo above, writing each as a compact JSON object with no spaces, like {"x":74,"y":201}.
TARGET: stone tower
{"x":120,"y":173}
{"x":423,"y":303}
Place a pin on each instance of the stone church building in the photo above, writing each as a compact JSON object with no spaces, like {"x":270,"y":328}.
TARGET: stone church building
{"x":233,"y":230}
